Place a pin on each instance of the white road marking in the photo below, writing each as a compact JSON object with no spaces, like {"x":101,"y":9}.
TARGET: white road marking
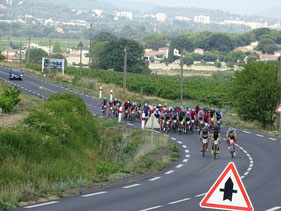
{"x":187,"y":151}
{"x":40,"y":205}
{"x":155,"y":178}
{"x":173,"y":139}
{"x":246,"y":173}
{"x":182,"y":200}
{"x":151,"y":208}
{"x":131,"y":186}
{"x":94,"y":194}
{"x":157,"y":132}
{"x":185,"y":160}
{"x":273,"y":139}
{"x":247,"y":132}
{"x":274,"y":208}
{"x":259,"y":135}
{"x":179,"y":142}
{"x":184,"y":146}
{"x":199,"y":195}
{"x":179,"y":166}
{"x":169,"y":172}
{"x":187,"y":156}
{"x":129,"y":124}
{"x":242,"y":177}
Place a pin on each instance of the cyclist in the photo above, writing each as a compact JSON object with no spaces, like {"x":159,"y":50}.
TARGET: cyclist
{"x":180,"y":118}
{"x":206,"y":117}
{"x":212,"y":117}
{"x":193,"y":118}
{"x":219,"y":117}
{"x":204,"y":135}
{"x":216,"y":136}
{"x":200,"y":118}
{"x":231,"y":134}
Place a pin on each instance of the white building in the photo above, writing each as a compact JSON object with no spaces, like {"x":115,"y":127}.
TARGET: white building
{"x":97,"y":13}
{"x":161,"y":17}
{"x":202,"y":19}
{"x":124,"y":14}
{"x":182,"y":18}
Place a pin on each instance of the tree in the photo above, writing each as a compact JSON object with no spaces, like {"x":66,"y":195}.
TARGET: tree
{"x":57,"y":48}
{"x":104,"y":36}
{"x":196,"y":57}
{"x":220,"y":42}
{"x":255,"y":91}
{"x":253,"y":57}
{"x":235,"y":57}
{"x":36,"y":55}
{"x":156,"y":41}
{"x":188,"y":60}
{"x":183,"y":42}
{"x":209,"y":57}
{"x":171,"y":57}
{"x":111,"y":56}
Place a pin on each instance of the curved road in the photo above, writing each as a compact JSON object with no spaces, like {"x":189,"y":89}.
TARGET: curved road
{"x":182,"y":185}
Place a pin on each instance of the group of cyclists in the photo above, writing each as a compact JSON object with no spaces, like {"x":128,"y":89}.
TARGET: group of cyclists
{"x":184,"y":120}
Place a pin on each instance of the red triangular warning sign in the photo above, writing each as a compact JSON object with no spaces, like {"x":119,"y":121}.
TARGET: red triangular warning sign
{"x":228,"y":192}
{"x":278,"y":110}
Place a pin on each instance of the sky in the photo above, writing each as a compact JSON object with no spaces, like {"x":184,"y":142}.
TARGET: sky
{"x":248,"y":7}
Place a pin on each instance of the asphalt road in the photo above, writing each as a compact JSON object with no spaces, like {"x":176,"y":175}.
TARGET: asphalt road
{"x":182,"y":185}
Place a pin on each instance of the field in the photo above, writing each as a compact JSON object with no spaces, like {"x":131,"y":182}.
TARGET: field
{"x":65,"y":43}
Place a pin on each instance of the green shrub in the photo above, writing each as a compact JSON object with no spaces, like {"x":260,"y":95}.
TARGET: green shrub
{"x":9,"y":99}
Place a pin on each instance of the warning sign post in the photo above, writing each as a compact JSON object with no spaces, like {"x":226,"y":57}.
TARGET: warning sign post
{"x":228,"y":192}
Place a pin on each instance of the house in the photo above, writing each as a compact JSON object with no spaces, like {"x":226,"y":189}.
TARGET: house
{"x":268,"y":57}
{"x":277,"y":53}
{"x":13,"y":59}
{"x":156,"y":55}
{"x":199,"y":51}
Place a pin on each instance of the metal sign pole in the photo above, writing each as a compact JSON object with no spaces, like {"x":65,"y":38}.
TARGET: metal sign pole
{"x":152,"y":116}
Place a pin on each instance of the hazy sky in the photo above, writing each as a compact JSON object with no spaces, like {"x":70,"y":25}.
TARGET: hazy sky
{"x":235,"y":6}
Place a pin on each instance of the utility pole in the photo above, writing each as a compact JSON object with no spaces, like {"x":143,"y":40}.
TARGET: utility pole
{"x":181,"y":63}
{"x":90,"y":50}
{"x":125,"y":71}
{"x":50,"y":51}
{"x":8,"y":43}
{"x":20,"y":54}
{"x":28,"y":51}
{"x":80,"y":45}
{"x":279,"y":98}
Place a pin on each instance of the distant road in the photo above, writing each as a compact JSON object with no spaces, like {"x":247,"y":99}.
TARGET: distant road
{"x":182,"y":185}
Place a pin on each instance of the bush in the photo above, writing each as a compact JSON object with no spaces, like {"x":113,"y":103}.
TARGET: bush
{"x":9,"y":99}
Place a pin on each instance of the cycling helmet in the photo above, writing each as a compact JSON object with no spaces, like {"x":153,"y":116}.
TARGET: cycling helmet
{"x":110,"y":101}
{"x":105,"y":98}
{"x":197,"y":107}
{"x":231,"y":129}
{"x":145,"y":104}
{"x":193,"y":110}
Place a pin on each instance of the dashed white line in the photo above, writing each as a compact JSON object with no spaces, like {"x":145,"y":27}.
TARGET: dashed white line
{"x":185,"y":160}
{"x":259,"y":135}
{"x":157,"y":132}
{"x":242,"y":177}
{"x":187,"y":156}
{"x":40,"y":205}
{"x":187,"y":151}
{"x":274,"y":208}
{"x":184,"y":146}
{"x":93,"y":194}
{"x":179,"y":201}
{"x":131,"y":186}
{"x":179,"y":166}
{"x":273,"y":139}
{"x":169,"y":172}
{"x":246,"y":173}
{"x":173,"y":139}
{"x":247,"y":132}
{"x":179,"y":142}
{"x":152,"y":208}
{"x":129,"y":124}
{"x":199,"y":195}
{"x":155,"y":178}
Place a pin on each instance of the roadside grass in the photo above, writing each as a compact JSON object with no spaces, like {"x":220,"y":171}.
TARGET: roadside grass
{"x":61,"y":148}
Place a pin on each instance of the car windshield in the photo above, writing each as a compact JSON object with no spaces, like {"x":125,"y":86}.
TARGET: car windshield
{"x":16,"y":71}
